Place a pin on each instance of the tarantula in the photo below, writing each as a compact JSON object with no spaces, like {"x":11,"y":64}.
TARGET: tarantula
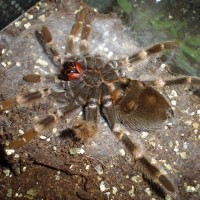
{"x":95,"y":83}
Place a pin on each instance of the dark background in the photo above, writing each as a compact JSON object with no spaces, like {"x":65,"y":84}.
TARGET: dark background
{"x":10,"y":10}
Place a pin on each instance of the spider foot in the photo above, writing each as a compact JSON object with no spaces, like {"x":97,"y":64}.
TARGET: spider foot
{"x":84,"y":130}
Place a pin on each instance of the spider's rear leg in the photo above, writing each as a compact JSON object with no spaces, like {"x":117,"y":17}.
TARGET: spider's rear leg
{"x":29,"y":98}
{"x":157,"y":48}
{"x":76,"y":29}
{"x":23,"y":99}
{"x":45,"y":38}
{"x":194,"y":81}
{"x":32,"y":132}
{"x":86,"y":129}
{"x":40,"y":126}
{"x":149,"y":170}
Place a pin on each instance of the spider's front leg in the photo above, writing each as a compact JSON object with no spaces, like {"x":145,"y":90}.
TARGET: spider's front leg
{"x":85,"y":35}
{"x":82,"y":25}
{"x":37,"y":78}
{"x":76,"y":29}
{"x":45,"y":39}
{"x":150,"y":171}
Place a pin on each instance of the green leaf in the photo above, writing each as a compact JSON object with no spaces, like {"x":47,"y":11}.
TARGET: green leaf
{"x":193,"y":40}
{"x":184,"y":64}
{"x":195,"y":54}
{"x":125,"y":5}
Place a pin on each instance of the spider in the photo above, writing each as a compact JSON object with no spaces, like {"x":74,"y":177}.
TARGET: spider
{"x":96,"y":84}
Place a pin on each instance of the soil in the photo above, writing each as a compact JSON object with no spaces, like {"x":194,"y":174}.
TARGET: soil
{"x":56,"y":165}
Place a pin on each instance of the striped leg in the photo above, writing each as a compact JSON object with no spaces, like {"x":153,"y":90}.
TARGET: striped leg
{"x":76,"y":29}
{"x":36,"y":78}
{"x":45,"y":38}
{"x":85,"y":34}
{"x":32,"y":132}
{"x":39,"y":127}
{"x":108,"y":109}
{"x":195,"y":81}
{"x":149,"y":170}
{"x":157,"y":48}
{"x":93,"y":104}
{"x":29,"y":98}
{"x":23,"y":99}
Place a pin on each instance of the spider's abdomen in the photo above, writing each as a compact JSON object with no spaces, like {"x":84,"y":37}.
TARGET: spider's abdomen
{"x":135,"y":100}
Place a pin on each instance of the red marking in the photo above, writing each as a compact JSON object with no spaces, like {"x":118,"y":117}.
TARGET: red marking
{"x":75,"y":75}
{"x":70,"y":71}
{"x":78,"y":67}
{"x":72,"y":76}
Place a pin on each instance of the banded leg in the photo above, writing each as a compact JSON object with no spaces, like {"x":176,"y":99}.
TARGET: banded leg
{"x":149,"y":170}
{"x":39,"y":127}
{"x":85,"y":34}
{"x":157,"y":48}
{"x":195,"y":81}
{"x":93,"y":104}
{"x":36,"y":78}
{"x":108,"y":109}
{"x":23,"y":99}
{"x":30,"y":98}
{"x":86,"y":129}
{"x":45,"y":38}
{"x":76,"y":29}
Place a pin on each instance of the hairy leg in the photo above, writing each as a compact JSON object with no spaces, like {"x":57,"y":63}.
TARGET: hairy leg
{"x":195,"y":81}
{"x":37,"y":78}
{"x":76,"y":29}
{"x":45,"y":38}
{"x":157,"y":48}
{"x":86,"y":129}
{"x":40,"y":126}
{"x":85,"y":35}
{"x":150,"y":171}
{"x":23,"y":99}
